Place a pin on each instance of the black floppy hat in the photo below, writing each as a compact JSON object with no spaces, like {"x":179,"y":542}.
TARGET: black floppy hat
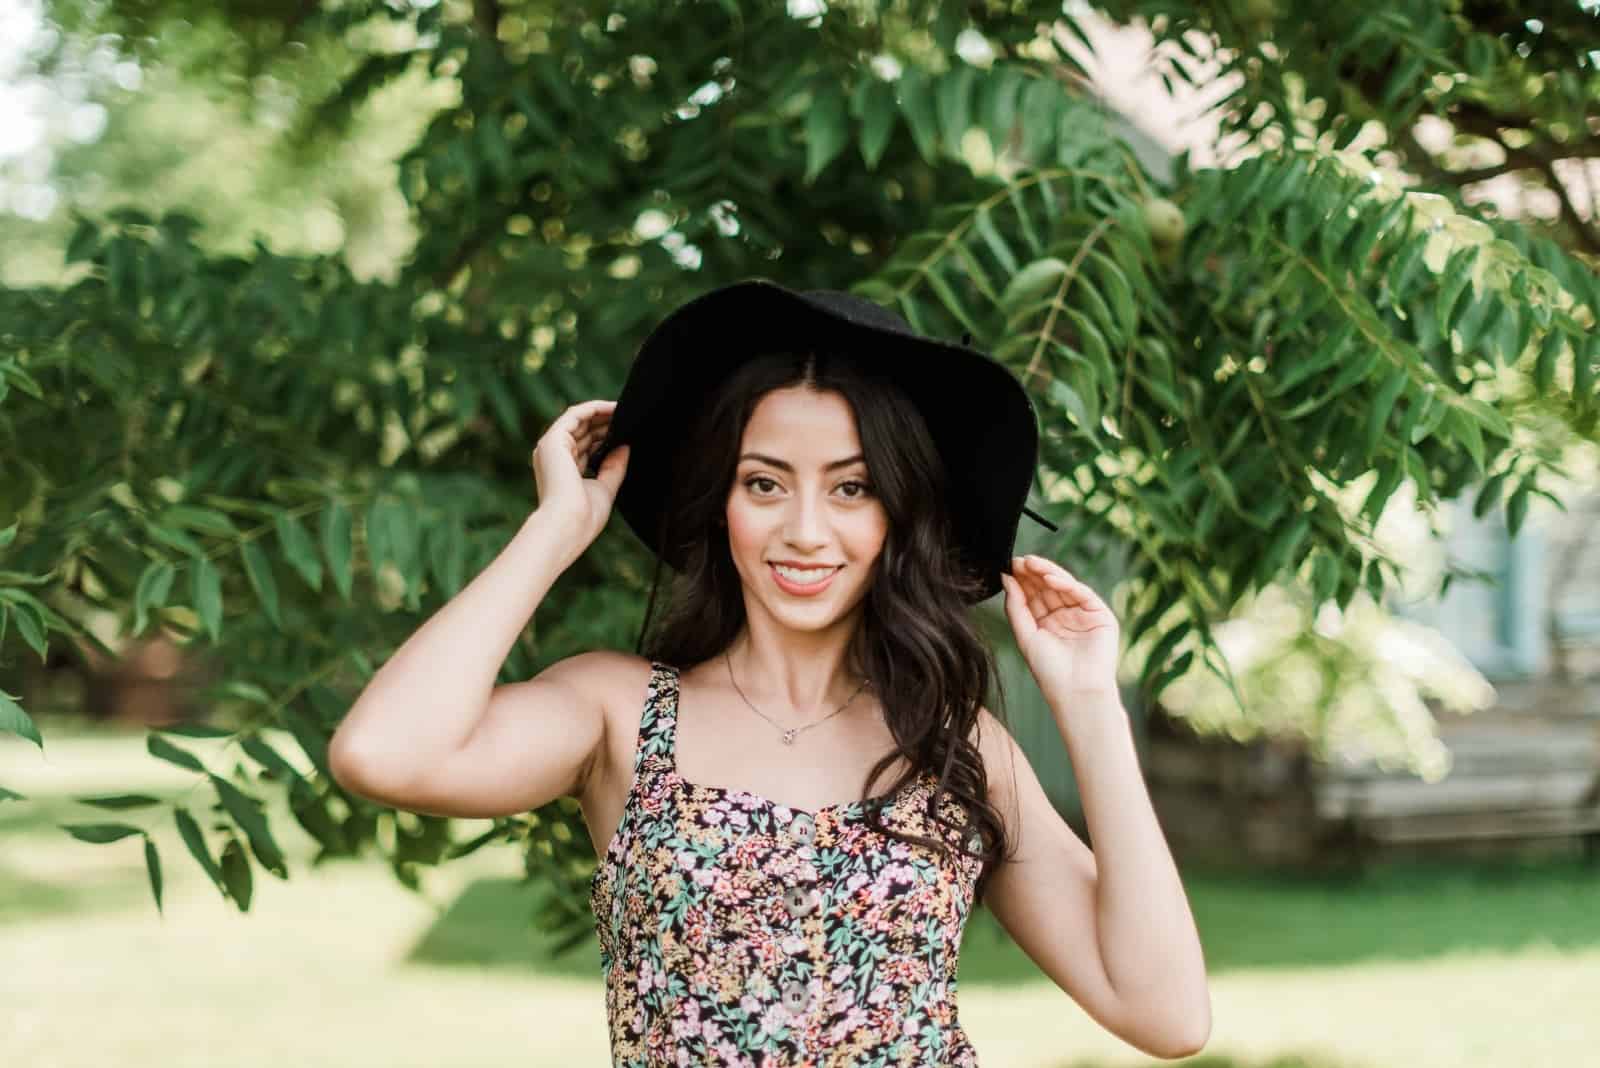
{"x":980,"y":417}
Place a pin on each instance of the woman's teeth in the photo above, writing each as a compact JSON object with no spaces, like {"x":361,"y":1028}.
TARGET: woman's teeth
{"x":810,"y":575}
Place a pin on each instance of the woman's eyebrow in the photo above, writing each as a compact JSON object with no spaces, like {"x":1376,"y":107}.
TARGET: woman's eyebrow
{"x":784,"y":465}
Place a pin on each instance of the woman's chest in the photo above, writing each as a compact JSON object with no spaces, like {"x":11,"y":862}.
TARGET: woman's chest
{"x":703,"y":868}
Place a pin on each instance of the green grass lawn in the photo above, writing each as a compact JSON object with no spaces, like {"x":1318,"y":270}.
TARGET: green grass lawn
{"x":1440,"y":967}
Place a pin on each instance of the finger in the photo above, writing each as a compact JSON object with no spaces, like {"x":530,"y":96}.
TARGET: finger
{"x":612,"y":469}
{"x":1022,"y":621}
{"x":1031,"y":595}
{"x":1058,"y":577}
{"x":580,"y":413}
{"x":590,"y":428}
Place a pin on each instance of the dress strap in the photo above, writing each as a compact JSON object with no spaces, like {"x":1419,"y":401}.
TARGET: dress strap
{"x":658,"y":723}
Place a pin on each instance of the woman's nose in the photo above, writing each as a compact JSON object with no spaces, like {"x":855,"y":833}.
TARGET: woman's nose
{"x":806,"y":523}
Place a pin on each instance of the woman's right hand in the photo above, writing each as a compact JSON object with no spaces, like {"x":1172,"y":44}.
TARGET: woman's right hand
{"x":581,"y":505}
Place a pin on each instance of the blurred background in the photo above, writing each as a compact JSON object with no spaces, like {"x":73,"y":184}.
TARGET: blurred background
{"x":1307,"y":304}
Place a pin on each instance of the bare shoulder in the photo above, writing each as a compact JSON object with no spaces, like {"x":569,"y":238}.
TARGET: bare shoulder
{"x":615,"y":681}
{"x":994,"y":741}
{"x":608,"y":677}
{"x":998,"y":750}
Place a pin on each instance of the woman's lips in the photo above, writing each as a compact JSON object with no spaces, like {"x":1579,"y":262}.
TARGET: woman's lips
{"x":801,"y":589}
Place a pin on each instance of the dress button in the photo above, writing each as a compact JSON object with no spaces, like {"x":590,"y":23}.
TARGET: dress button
{"x":795,"y":996}
{"x":803,"y":827}
{"x":798,"y":901}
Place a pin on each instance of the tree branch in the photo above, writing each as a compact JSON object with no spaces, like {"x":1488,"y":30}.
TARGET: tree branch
{"x":1584,"y":229}
{"x":486,"y":13}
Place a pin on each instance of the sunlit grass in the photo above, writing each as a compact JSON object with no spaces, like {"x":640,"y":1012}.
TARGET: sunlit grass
{"x":1432,"y":968}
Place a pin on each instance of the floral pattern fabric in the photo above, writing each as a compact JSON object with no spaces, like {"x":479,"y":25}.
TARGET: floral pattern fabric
{"x":738,"y":931}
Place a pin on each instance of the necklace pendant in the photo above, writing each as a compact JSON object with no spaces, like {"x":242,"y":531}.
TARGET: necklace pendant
{"x":788,"y":736}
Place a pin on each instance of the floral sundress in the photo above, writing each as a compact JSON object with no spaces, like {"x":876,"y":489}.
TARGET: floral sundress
{"x":735,"y":930}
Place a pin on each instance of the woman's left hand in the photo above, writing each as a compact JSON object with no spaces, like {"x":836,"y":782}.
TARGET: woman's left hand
{"x":1067,"y":635}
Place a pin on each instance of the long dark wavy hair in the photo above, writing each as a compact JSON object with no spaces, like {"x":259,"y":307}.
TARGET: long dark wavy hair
{"x":929,"y":663}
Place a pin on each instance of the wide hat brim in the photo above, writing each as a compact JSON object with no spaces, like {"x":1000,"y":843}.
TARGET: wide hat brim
{"x":980,"y":417}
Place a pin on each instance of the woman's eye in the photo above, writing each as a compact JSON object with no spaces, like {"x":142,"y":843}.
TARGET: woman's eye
{"x":758,"y":482}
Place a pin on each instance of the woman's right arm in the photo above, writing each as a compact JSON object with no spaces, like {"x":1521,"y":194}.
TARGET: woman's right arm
{"x":431,"y":732}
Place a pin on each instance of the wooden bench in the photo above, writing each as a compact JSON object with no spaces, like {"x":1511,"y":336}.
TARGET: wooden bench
{"x":1507,"y":780}
{"x":1512,"y":779}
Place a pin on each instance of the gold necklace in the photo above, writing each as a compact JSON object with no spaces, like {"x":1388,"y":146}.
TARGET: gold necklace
{"x":788,"y":732}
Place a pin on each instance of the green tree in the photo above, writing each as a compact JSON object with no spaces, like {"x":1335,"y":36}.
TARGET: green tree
{"x":287,"y":463}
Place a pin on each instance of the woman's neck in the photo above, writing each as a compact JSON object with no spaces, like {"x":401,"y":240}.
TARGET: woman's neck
{"x":807,"y":680}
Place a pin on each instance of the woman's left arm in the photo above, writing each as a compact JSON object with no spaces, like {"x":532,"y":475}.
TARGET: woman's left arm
{"x":1112,"y":927}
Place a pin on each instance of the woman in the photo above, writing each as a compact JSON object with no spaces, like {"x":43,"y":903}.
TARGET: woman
{"x":834,"y":493}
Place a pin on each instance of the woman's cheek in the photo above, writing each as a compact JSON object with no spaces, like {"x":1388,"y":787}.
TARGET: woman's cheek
{"x":743,"y":535}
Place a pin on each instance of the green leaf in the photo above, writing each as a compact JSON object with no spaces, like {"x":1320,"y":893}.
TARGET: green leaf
{"x":152,"y":864}
{"x":1093,"y":344}
{"x":1403,"y":267}
{"x":173,"y":539}
{"x":983,"y":222}
{"x":1487,"y":414}
{"x":1544,"y":367}
{"x":10,"y":795}
{"x":1281,"y":550}
{"x":30,"y":624}
{"x":1040,"y":101}
{"x":1457,"y":276}
{"x":1360,"y":361}
{"x":246,"y":813}
{"x":311,"y":739}
{"x":162,"y":749}
{"x":954,"y":102}
{"x":916,"y":103}
{"x":16,"y":721}
{"x":1116,"y":286}
{"x":1468,"y":433}
{"x":9,"y":534}
{"x":197,"y":730}
{"x":259,"y":570}
{"x":119,"y":801}
{"x":1488,"y":495}
{"x":1585,"y":369}
{"x":951,"y":302}
{"x":997,"y":102}
{"x":205,"y":588}
{"x":84,"y":244}
{"x":1321,"y":358}
{"x":1381,"y":407}
{"x":299,"y":549}
{"x":878,"y":121}
{"x":1477,"y":311}
{"x":1032,"y":283}
{"x":100,"y":833}
{"x":447,"y":555}
{"x":200,"y":520}
{"x":1169,"y":641}
{"x":336,"y":545}
{"x":195,"y":840}
{"x":264,"y":754}
{"x":1389,"y":476}
{"x":827,"y":129}
{"x":1517,"y":506}
{"x":236,"y":875}
{"x":151,"y":592}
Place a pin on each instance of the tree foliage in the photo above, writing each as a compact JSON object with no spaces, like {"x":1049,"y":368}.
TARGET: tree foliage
{"x":289,"y":465}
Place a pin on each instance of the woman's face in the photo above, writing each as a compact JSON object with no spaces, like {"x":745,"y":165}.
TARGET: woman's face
{"x":792,"y":501}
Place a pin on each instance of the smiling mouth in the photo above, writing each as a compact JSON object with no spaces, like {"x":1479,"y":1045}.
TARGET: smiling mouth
{"x":820,"y":579}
